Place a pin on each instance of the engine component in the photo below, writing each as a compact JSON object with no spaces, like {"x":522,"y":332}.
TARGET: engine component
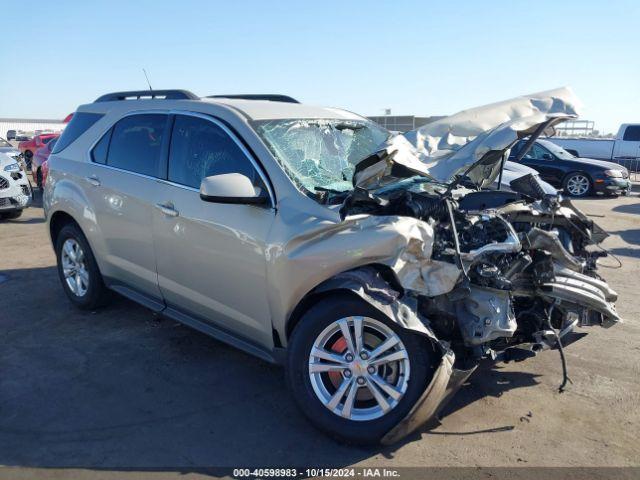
{"x":485,"y":315}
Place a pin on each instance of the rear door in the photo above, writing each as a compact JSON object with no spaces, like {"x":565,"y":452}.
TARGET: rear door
{"x":126,"y":162}
{"x":211,"y":256}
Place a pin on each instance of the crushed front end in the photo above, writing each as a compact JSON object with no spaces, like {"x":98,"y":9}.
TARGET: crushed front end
{"x":506,"y":273}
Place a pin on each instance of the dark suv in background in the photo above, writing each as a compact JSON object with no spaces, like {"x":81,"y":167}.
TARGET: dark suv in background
{"x":578,"y":177}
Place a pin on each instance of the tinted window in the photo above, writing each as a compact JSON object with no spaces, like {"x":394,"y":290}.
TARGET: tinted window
{"x":536,"y":152}
{"x":52,"y":144}
{"x":79,"y":124}
{"x":136,"y":143}
{"x":99,"y":152}
{"x":632,"y":133}
{"x":200,"y":148}
{"x":46,"y":140}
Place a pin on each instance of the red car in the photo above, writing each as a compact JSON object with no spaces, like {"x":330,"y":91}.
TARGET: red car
{"x":44,"y":169}
{"x":38,"y":160}
{"x":29,"y":147}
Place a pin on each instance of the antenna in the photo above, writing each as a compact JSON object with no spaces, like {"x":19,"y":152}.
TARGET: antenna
{"x":147,"y":77}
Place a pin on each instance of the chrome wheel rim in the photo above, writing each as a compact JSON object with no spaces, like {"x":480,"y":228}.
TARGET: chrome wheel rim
{"x":578,"y":185}
{"x":74,"y":267}
{"x":359,"y":368}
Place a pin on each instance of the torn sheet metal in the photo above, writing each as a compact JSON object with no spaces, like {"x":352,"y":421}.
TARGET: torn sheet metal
{"x":405,"y":244}
{"x":451,"y":145}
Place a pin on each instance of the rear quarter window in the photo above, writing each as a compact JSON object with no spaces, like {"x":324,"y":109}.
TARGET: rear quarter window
{"x":79,"y":124}
{"x":99,"y":152}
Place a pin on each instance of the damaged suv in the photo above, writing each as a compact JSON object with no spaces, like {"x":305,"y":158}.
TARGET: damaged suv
{"x":380,"y":269}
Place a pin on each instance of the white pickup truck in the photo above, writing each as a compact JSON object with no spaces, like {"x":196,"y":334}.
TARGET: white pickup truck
{"x":624,"y":149}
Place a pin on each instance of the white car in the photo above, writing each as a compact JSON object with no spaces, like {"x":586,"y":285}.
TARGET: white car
{"x":15,"y":190}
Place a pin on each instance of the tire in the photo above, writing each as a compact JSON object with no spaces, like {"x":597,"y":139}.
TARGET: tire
{"x":577,"y":184}
{"x":38,"y":177}
{"x":369,"y":428}
{"x":11,"y":215}
{"x":91,"y":293}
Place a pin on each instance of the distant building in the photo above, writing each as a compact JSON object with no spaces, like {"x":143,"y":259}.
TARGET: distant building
{"x":29,"y":125}
{"x":403,"y":123}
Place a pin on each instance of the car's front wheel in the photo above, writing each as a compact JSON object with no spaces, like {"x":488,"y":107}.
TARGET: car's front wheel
{"x":577,"y":184}
{"x":353,"y":372}
{"x":78,"y":270}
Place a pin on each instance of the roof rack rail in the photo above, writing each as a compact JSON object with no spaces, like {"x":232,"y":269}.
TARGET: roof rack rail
{"x":259,"y":96}
{"x":148,"y":94}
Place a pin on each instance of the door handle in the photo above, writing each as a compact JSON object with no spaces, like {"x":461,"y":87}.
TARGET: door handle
{"x":167,"y":209}
{"x":93,"y":180}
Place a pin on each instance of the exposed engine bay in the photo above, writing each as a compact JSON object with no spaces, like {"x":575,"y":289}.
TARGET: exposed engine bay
{"x":505,"y":272}
{"x":526,"y":265}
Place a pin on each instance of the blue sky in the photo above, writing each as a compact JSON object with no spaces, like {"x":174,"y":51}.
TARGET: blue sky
{"x":422,"y":57}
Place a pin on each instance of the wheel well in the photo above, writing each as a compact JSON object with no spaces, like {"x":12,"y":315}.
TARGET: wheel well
{"x":314,"y":296}
{"x":59,"y":220}
{"x":311,"y":299}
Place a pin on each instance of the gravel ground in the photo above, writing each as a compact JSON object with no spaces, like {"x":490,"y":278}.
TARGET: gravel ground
{"x":120,"y":389}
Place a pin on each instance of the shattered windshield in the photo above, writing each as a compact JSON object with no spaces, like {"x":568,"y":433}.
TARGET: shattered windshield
{"x":321,"y":153}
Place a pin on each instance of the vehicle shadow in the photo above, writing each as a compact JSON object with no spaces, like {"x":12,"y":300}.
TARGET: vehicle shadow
{"x":122,"y":389}
{"x":633,"y":208}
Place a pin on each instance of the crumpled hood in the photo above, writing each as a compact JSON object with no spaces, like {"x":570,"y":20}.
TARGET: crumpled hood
{"x":476,"y":138}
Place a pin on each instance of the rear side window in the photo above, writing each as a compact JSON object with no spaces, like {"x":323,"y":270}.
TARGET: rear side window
{"x":200,"y":148}
{"x":80,"y":123}
{"x":46,"y":140}
{"x":136,"y":143}
{"x":632,"y":133}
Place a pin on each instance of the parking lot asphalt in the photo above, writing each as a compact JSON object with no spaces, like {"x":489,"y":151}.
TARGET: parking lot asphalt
{"x":120,"y":389}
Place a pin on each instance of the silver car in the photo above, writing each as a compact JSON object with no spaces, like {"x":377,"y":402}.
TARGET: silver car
{"x":379,"y":269}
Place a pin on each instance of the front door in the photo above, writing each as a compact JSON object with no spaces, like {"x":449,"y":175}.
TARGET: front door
{"x":547,"y":165}
{"x":211,"y":256}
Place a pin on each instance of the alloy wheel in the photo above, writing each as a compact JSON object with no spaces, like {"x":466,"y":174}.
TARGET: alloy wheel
{"x":74,"y":267}
{"x":359,"y":368}
{"x":578,"y":185}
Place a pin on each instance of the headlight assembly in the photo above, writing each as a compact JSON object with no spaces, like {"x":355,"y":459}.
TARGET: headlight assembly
{"x":613,"y":173}
{"x":12,"y":167}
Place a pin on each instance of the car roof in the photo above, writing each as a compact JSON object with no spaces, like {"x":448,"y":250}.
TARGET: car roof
{"x":269,"y":110}
{"x":260,"y":107}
